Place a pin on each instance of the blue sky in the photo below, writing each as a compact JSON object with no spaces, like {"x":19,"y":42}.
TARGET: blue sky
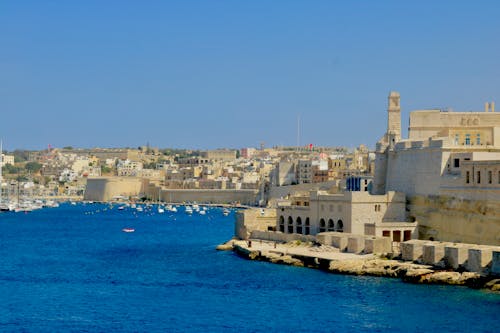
{"x":209,"y":74}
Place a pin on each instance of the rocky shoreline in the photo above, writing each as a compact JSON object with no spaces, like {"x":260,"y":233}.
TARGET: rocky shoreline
{"x":330,"y":259}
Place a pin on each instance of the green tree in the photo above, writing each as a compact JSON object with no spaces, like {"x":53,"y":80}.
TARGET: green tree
{"x":33,"y":167}
{"x":10,"y":169}
{"x":105,"y":169}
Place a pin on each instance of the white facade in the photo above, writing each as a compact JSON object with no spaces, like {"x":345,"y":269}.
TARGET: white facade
{"x":7,"y":159}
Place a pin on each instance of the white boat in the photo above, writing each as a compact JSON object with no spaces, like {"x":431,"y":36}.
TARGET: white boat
{"x":189,"y":210}
{"x":161,"y":210}
{"x":226,"y":211}
{"x":139,"y":208}
{"x":202,"y":212}
{"x":128,"y":229}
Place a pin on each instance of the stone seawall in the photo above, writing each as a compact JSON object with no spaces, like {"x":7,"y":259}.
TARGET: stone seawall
{"x":456,"y":220}
{"x":244,"y":197}
{"x":334,"y":261}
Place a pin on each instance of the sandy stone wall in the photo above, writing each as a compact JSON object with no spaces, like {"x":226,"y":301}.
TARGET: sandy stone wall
{"x":254,"y":219}
{"x":245,"y":197}
{"x":456,"y":220}
{"x":105,"y":188}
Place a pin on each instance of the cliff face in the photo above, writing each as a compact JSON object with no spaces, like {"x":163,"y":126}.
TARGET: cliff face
{"x":456,"y":220}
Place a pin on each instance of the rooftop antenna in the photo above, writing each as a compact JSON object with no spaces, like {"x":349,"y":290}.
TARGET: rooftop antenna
{"x":298,"y":131}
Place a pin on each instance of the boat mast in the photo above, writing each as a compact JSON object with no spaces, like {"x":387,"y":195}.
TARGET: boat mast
{"x":1,"y":165}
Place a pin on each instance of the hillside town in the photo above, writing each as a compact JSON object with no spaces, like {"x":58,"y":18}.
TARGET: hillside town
{"x":65,"y":172}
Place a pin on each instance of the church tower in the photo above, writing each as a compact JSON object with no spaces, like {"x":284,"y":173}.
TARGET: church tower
{"x":393,"y":119}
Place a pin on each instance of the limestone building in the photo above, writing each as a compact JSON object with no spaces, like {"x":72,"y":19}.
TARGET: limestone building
{"x":356,"y":212}
{"x":449,"y":169}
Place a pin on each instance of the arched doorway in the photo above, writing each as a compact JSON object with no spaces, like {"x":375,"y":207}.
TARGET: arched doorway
{"x":290,"y":225}
{"x":308,"y":227}
{"x":299,"y":225}
{"x":331,"y":225}
{"x":340,"y":226}
{"x":322,"y":225}
{"x":282,"y":224}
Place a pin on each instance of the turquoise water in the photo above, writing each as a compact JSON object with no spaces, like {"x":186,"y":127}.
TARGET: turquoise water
{"x":72,"y":269}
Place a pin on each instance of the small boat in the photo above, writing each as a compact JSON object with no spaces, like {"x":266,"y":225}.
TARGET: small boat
{"x":161,"y":210}
{"x":189,"y":210}
{"x":121,"y":207}
{"x":225,"y":211}
{"x":128,"y":229}
{"x":202,"y":212}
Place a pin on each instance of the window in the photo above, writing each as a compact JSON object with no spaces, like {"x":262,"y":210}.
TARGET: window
{"x":479,"y":177}
{"x":478,"y":139}
{"x":456,"y":163}
{"x":467,"y":177}
{"x":457,"y":137}
{"x":490,"y":177}
{"x":467,"y":139}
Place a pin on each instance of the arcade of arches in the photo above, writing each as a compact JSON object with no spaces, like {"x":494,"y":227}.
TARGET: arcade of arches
{"x":303,"y":226}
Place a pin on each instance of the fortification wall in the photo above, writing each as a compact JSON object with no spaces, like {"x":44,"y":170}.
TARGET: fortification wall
{"x":105,"y":188}
{"x":254,"y":219}
{"x":277,"y":192}
{"x":452,"y":219}
{"x":425,"y":165}
{"x":245,"y":197}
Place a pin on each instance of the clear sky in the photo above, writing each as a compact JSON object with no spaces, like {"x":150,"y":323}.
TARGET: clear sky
{"x":209,"y":74}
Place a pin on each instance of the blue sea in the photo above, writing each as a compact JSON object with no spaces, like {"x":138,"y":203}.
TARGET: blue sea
{"x":73,"y":269}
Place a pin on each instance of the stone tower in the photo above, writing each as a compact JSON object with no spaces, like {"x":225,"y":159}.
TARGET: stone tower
{"x":386,"y":143}
{"x":393,"y":119}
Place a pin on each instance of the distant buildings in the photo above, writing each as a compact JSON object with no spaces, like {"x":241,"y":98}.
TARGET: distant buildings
{"x":7,"y":159}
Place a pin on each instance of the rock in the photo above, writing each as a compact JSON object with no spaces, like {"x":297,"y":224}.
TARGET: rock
{"x":444,"y":278}
{"x":493,"y":285}
{"x":415,"y":275}
{"x":227,"y":246}
{"x":352,"y":266}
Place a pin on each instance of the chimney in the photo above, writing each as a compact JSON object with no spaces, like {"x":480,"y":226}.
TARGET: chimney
{"x":486,"y":107}
{"x":492,"y":106}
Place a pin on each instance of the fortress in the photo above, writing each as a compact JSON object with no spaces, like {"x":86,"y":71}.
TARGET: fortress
{"x":442,"y":183}
{"x":449,"y":169}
